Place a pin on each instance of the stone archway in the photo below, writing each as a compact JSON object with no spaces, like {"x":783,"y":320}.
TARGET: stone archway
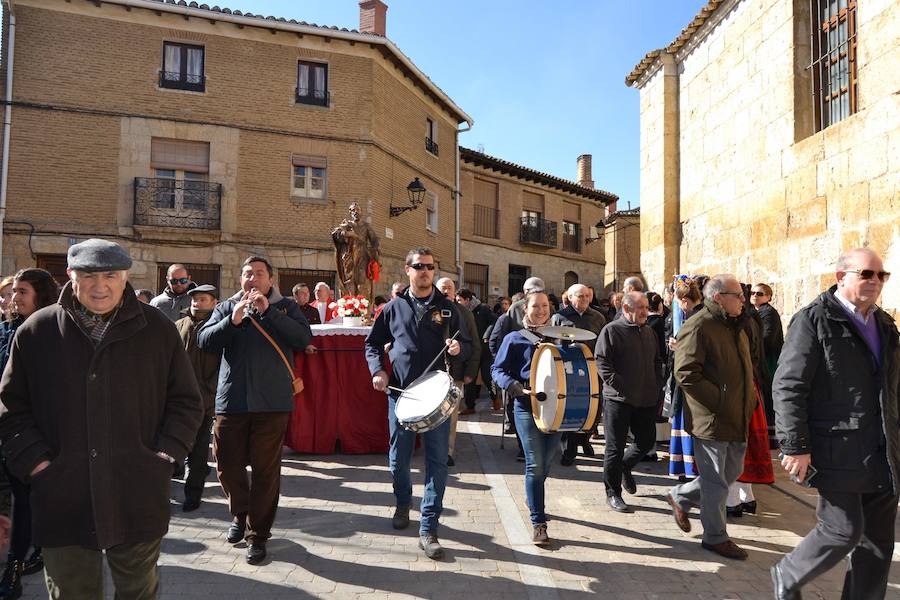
{"x":571,"y":278}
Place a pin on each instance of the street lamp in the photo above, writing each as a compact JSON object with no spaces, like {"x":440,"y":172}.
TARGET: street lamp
{"x":416,"y":192}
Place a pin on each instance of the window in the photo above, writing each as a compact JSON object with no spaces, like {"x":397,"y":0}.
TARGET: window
{"x":181,"y":168}
{"x":517,"y":276}
{"x":571,"y":236}
{"x":833,"y":60}
{"x":431,"y":212}
{"x":308,"y":177}
{"x":312,"y":83}
{"x":475,"y":277}
{"x":431,"y":144}
{"x":183,"y":67}
{"x":486,"y":216}
{"x":531,"y":217}
{"x":288,"y":278}
{"x":56,"y":264}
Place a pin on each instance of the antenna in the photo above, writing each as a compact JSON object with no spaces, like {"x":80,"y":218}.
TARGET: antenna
{"x":481,"y":148}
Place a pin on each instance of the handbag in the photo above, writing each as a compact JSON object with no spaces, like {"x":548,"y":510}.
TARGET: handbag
{"x":296,"y":382}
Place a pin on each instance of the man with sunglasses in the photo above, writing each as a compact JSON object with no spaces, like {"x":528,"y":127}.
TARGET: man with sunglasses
{"x":836,"y":394}
{"x":418,"y":323}
{"x":175,"y":298}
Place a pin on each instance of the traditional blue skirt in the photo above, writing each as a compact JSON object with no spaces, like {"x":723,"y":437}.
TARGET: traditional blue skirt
{"x":681,"y":448}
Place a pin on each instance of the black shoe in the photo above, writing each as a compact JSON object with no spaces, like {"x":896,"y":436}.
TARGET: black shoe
{"x":190,"y":504}
{"x":450,"y":461}
{"x":509,"y":429}
{"x":400,"y":520}
{"x":256,"y":553}
{"x":11,"y":582}
{"x":749,"y":507}
{"x":237,"y":529}
{"x":734,"y":511}
{"x":587,"y":449}
{"x":628,"y":483}
{"x":567,"y":460}
{"x":430,"y":544}
{"x":617,"y":504}
{"x":34,"y":563}
{"x":651,"y":457}
{"x":781,"y":592}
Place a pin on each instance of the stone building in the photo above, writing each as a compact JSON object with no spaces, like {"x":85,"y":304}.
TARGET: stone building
{"x":203,"y":135}
{"x":517,"y":222}
{"x":770,"y":140}
{"x":622,"y":235}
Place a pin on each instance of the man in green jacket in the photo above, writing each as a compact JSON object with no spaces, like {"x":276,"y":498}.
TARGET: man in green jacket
{"x":713,"y":369}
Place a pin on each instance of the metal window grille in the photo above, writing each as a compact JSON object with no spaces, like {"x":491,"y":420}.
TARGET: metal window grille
{"x":833,"y":44}
{"x":475,"y":277}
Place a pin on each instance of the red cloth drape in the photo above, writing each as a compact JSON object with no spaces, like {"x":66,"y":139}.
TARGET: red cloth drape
{"x":338,"y":402}
{"x":758,"y":458}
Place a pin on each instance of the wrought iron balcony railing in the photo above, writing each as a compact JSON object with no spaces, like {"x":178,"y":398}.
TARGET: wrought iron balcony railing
{"x":312,"y":96}
{"x":538,"y":231}
{"x":187,"y":203}
{"x":182,"y":81}
{"x":571,"y":240}
{"x":487,"y":221}
{"x":431,"y":146}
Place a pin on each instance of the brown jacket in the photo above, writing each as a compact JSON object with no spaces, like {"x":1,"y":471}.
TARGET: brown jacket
{"x":206,"y":364}
{"x":99,"y":415}
{"x":713,"y":369}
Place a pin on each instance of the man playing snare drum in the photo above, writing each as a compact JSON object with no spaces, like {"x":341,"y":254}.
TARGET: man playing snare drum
{"x":418,"y":323}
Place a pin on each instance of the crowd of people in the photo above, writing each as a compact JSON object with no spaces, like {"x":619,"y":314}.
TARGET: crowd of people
{"x":107,"y":391}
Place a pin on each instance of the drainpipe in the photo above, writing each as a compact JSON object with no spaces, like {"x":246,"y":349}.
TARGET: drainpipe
{"x":7,"y":120}
{"x":459,"y":269}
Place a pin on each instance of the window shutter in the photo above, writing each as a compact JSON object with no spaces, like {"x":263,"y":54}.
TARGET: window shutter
{"x":314,"y":162}
{"x":179,"y":155}
{"x":572,"y":212}
{"x":533,"y":202}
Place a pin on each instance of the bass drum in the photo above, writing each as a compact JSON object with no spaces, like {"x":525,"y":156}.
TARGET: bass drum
{"x":565,"y":390}
{"x":427,"y":402}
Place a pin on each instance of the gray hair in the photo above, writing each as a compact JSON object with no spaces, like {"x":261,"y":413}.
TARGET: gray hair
{"x":321,"y":284}
{"x":634,"y":283}
{"x":717,"y":284}
{"x":574,"y":288}
{"x":845,"y":261}
{"x":533,"y":284}
{"x":631,"y":299}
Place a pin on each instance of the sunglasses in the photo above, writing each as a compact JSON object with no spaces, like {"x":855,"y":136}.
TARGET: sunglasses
{"x":420,"y":266}
{"x":735,"y":294}
{"x":757,"y":294}
{"x":181,"y":280}
{"x":869,"y":274}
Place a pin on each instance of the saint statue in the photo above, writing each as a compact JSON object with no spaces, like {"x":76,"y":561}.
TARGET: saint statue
{"x":356,"y":254}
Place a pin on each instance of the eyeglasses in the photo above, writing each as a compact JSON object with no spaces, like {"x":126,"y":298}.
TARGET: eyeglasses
{"x":181,"y":280}
{"x":869,"y":274}
{"x":758,"y":294}
{"x":735,"y":294}
{"x":420,"y":266}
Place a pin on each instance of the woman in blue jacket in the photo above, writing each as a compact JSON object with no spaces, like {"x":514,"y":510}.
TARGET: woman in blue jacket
{"x":512,"y":372}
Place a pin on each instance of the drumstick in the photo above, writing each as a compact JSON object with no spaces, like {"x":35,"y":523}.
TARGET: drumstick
{"x":439,"y":354}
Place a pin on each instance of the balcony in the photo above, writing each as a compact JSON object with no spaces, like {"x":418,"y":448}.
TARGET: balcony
{"x":538,"y":231}
{"x":312,"y":96}
{"x":431,"y":145}
{"x":191,"y":204}
{"x":175,"y":80}
{"x":571,"y":239}
{"x":487,"y":221}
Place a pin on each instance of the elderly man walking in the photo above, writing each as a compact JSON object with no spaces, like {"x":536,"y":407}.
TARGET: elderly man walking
{"x":714,"y":369}
{"x":630,"y":366}
{"x":836,"y":395}
{"x":256,"y":331}
{"x":99,"y":401}
{"x":174,"y":298}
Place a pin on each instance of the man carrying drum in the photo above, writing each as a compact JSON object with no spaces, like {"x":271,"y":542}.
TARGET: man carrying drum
{"x":418,"y":323}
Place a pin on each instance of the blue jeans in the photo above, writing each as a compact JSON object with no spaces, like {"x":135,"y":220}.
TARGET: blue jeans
{"x":437,"y":447}
{"x":541,"y":449}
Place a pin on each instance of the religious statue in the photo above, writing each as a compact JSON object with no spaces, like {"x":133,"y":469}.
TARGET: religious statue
{"x":356,"y":254}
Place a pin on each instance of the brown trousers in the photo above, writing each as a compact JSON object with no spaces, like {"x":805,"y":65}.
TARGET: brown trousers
{"x":253,"y":439}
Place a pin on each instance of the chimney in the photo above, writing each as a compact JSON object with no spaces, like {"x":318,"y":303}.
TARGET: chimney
{"x":584,"y":171}
{"x":373,"y":17}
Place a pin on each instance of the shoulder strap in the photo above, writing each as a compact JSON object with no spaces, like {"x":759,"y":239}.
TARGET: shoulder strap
{"x":274,"y":345}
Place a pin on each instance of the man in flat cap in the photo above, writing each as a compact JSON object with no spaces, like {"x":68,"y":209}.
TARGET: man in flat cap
{"x":98,"y":401}
{"x":206,"y":370}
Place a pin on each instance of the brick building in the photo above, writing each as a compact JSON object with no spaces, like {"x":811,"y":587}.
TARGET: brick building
{"x":770,"y":141}
{"x":205,"y":135}
{"x":622,"y":235}
{"x":517,"y":222}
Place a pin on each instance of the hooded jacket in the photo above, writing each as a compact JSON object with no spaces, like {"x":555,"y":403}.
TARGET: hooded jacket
{"x":172,"y":305}
{"x":252,"y":377}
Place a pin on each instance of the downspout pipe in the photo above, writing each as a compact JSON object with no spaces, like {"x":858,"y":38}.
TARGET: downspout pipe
{"x":459,"y":269}
{"x":7,"y":118}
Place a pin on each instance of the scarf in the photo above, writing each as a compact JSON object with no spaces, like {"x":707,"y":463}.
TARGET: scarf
{"x":95,"y":325}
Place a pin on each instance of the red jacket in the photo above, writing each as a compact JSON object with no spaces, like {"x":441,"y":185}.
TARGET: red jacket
{"x":328,"y":311}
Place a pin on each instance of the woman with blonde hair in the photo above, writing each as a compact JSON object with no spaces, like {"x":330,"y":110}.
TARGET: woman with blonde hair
{"x":6,"y":285}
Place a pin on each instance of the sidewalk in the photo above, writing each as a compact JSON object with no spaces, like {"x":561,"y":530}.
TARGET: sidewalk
{"x":333,"y":537}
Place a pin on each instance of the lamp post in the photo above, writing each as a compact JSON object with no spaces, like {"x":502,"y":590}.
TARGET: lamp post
{"x":416,"y":192}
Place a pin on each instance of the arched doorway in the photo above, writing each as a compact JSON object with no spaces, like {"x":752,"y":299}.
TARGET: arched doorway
{"x":571,"y":278}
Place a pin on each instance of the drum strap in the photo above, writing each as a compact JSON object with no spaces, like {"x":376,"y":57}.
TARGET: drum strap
{"x":534,"y":339}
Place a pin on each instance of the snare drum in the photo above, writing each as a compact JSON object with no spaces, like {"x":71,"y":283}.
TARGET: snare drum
{"x":427,"y":402}
{"x":565,"y":390}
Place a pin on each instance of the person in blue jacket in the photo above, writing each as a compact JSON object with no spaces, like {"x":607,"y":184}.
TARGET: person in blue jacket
{"x":512,"y":372}
{"x":418,"y":324}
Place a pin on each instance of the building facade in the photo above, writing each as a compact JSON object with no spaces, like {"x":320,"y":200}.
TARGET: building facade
{"x":517,"y":223}
{"x":770,"y":141}
{"x":622,"y":236}
{"x":203,"y":136}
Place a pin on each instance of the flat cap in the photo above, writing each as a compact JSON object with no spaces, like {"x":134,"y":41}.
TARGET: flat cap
{"x":98,"y":255}
{"x":203,"y":289}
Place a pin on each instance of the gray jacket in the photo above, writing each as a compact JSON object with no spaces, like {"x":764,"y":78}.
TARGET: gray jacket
{"x":590,"y":320}
{"x":629,"y":364}
{"x":172,"y":305}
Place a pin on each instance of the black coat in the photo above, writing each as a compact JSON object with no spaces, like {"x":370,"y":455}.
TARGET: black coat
{"x":773,"y":336}
{"x":833,"y":401}
{"x":99,"y":415}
